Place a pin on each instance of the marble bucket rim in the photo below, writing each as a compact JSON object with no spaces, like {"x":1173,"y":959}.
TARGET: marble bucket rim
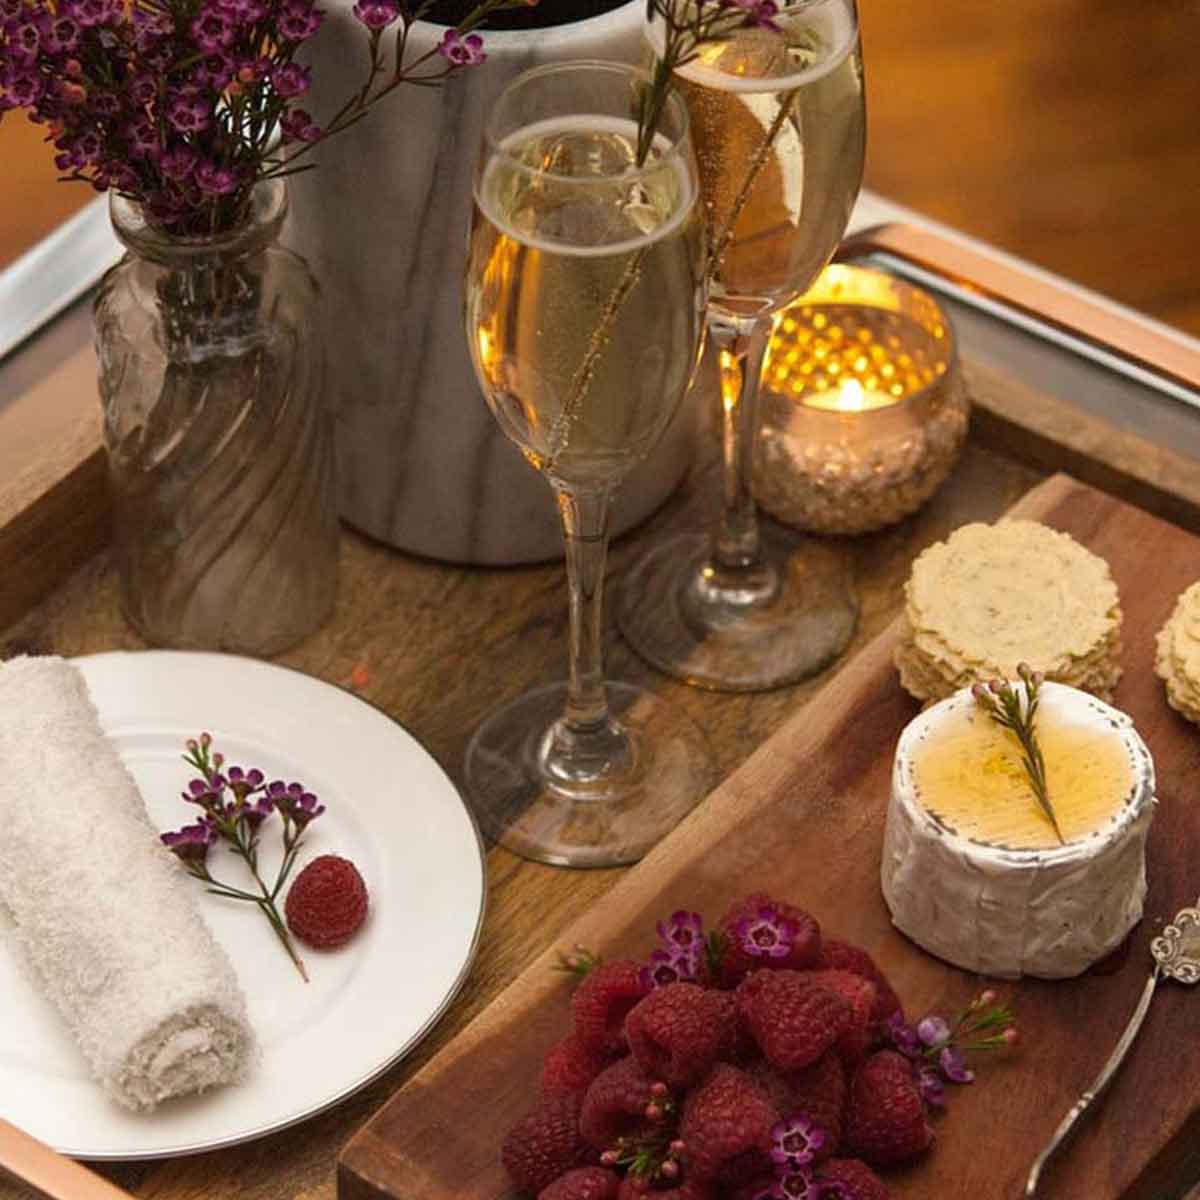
{"x":547,"y":38}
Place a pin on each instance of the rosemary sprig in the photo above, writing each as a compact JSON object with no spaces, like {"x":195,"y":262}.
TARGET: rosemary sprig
{"x":1015,"y":709}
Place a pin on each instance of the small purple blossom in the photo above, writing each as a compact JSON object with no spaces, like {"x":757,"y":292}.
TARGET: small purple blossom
{"x":141,"y":134}
{"x":297,"y":126}
{"x":798,"y":1185}
{"x":24,"y":89}
{"x":377,"y":15}
{"x":684,"y":930}
{"x":290,"y":80}
{"x":298,"y":22}
{"x":669,"y":966}
{"x":795,"y":1143}
{"x":903,"y":1036}
{"x":933,"y":1030}
{"x":758,"y":12}
{"x":192,"y":842}
{"x":213,"y":31}
{"x":931,"y":1087}
{"x":766,"y":934}
{"x":215,"y":180}
{"x":462,"y":51}
{"x":178,"y":163}
{"x":188,"y":112}
{"x":954,"y":1065}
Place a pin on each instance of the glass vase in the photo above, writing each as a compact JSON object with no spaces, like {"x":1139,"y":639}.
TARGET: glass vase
{"x":219,"y":446}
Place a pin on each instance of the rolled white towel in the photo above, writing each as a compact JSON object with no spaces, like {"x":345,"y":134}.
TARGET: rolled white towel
{"x":102,"y":914}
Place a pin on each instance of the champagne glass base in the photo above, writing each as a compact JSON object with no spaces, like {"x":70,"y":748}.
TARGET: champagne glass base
{"x":785,"y":621}
{"x":604,"y":815}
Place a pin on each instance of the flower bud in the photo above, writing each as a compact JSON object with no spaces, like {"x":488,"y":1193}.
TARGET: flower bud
{"x":658,"y":1089}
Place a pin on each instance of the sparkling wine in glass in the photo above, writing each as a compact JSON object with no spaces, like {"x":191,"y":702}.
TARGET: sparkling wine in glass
{"x":585,"y":298}
{"x":779,"y":127}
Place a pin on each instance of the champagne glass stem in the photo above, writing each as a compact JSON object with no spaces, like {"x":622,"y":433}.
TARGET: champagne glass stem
{"x":742,"y":344}
{"x":584,"y":516}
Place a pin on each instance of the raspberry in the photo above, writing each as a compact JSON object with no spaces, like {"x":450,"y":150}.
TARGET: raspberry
{"x":570,"y":1066}
{"x":735,"y":1045}
{"x":793,"y":1020}
{"x":689,"y":1189}
{"x":583,"y":1183}
{"x":859,"y":993}
{"x":544,"y":1144}
{"x":842,"y":956}
{"x":675,"y":1033}
{"x":761,"y":932}
{"x":817,"y":1091}
{"x":602,"y":1001}
{"x":849,"y":1179}
{"x":614,"y":1106}
{"x":327,"y":902}
{"x":885,"y":1116}
{"x":726,"y":1128}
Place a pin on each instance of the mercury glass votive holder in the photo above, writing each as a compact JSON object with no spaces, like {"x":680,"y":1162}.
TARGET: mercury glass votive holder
{"x":864,"y":412}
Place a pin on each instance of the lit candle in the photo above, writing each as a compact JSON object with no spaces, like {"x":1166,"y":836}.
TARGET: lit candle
{"x":863,"y":410}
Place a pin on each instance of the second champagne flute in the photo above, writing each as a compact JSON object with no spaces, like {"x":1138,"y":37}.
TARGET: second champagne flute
{"x":779,"y":127}
{"x":584,"y":313}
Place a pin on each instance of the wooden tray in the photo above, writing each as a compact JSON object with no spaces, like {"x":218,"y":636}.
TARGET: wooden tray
{"x":803,"y":819}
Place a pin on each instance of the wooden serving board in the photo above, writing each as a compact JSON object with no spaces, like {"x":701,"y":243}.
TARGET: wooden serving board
{"x":803,"y":819}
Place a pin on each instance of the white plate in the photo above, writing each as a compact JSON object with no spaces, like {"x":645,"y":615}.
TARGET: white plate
{"x":390,"y":809}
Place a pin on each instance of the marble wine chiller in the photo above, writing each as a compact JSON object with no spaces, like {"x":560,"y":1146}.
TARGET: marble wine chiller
{"x":383,"y":223}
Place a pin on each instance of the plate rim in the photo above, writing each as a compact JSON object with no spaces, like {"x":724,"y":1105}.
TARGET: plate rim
{"x":452,"y":993}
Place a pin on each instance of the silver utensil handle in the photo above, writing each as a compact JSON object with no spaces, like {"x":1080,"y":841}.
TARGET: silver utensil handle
{"x":1097,"y":1087}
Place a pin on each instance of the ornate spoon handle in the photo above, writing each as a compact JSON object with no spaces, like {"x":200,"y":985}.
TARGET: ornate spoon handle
{"x":1097,"y":1087}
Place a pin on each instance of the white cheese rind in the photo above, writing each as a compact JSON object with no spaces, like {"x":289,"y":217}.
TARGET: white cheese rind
{"x":1003,"y":912}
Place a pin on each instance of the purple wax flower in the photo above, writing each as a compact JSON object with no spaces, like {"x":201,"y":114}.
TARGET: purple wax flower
{"x":297,"y":22}
{"x":242,"y":782}
{"x":215,"y":180}
{"x":90,"y":13}
{"x":669,"y":966}
{"x":931,"y":1087}
{"x":903,"y":1036}
{"x":306,"y":810}
{"x":66,"y":34}
{"x":104,"y":104}
{"x":933,"y":1030}
{"x":954,"y":1066}
{"x":253,"y":815}
{"x":767,"y":934}
{"x":684,"y":930}
{"x":141,"y":135}
{"x":192,"y":842}
{"x":290,"y":80}
{"x":178,"y":163}
{"x":213,"y":31}
{"x":142,"y":90}
{"x":795,"y":1143}
{"x":462,"y":51}
{"x":297,"y":126}
{"x":377,"y":15}
{"x":188,"y":112}
{"x":10,"y":10}
{"x":25,"y":41}
{"x":798,"y":1185}
{"x":24,"y":88}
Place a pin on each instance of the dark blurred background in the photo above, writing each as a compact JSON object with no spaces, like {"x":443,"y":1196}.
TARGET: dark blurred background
{"x":1065,"y":131}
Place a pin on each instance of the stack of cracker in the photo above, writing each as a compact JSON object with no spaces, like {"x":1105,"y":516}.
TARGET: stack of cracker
{"x":1177,"y":661}
{"x":993,"y":596}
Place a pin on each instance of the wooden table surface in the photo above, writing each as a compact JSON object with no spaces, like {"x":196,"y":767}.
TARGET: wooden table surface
{"x":443,"y":646}
{"x":1064,"y":132}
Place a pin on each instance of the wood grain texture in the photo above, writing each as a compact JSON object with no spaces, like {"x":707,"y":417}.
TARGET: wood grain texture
{"x":803,"y":819}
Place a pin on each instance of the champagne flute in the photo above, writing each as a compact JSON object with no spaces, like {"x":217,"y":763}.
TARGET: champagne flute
{"x":779,"y":127}
{"x":585,"y":299}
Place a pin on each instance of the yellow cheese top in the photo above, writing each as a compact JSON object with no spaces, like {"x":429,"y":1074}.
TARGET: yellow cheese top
{"x":968,"y":775}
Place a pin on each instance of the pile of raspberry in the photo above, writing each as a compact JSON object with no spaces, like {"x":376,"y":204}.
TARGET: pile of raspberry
{"x":748,"y":1063}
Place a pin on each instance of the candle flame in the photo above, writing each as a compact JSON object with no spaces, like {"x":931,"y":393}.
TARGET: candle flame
{"x":851,"y":397}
